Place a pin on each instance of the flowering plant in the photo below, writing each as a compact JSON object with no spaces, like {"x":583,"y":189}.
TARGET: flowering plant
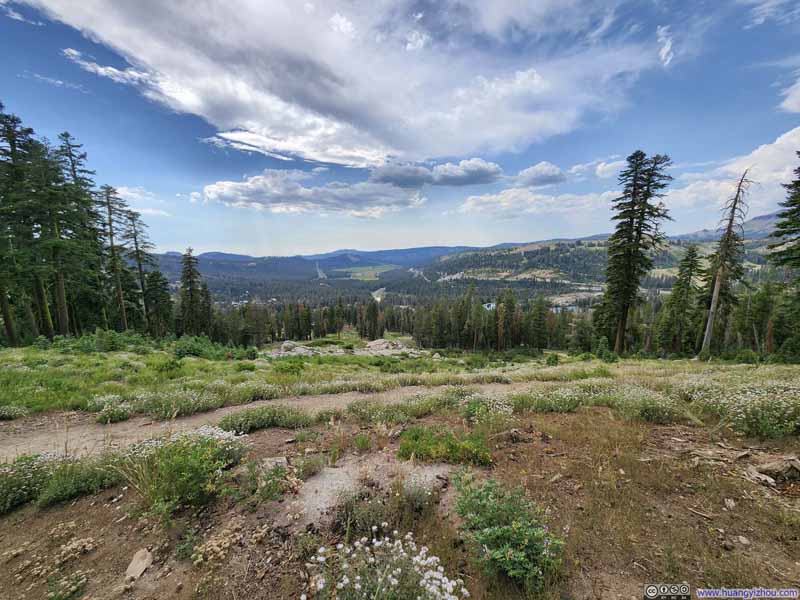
{"x":385,"y":567}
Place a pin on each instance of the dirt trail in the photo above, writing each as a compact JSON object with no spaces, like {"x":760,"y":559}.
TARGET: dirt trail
{"x":77,"y":433}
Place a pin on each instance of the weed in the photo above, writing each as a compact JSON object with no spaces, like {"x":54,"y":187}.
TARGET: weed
{"x":76,"y":478}
{"x":264,"y":417}
{"x":507,"y":534}
{"x":362,"y":442}
{"x":427,"y":444}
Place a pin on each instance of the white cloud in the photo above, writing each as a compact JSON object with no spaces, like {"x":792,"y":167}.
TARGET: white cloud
{"x":516,"y":201}
{"x":142,"y":200}
{"x":416,"y":40}
{"x":770,"y":166}
{"x":604,"y":170}
{"x":781,"y":11}
{"x":55,"y":82}
{"x":283,"y":192}
{"x":665,"y":52}
{"x":11,"y":13}
{"x":343,"y":25}
{"x":791,"y":98}
{"x":540,"y":174}
{"x":336,"y":84}
{"x":471,"y":171}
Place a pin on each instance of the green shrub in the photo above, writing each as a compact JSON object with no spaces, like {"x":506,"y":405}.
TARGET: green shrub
{"x":186,"y":471}
{"x":309,"y":466}
{"x":199,"y":346}
{"x":747,"y":356}
{"x":75,"y":478}
{"x":506,"y":533}
{"x":264,"y":417}
{"x":114,"y":413}
{"x":425,"y":443}
{"x":561,"y":400}
{"x":11,"y":412}
{"x":362,"y":442}
{"x":22,"y":481}
{"x":551,"y":360}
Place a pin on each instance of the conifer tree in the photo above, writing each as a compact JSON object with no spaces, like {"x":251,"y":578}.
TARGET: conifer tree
{"x":190,"y":299}
{"x":676,"y":316}
{"x":638,"y":215}
{"x":139,"y":252}
{"x":159,"y":304}
{"x":726,"y":262}
{"x":786,"y":251}
{"x":115,"y":211}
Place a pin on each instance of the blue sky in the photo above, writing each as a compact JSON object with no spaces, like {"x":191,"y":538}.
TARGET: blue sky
{"x":285,"y":127}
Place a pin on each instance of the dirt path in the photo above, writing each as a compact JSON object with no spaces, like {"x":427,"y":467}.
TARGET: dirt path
{"x":77,"y":433}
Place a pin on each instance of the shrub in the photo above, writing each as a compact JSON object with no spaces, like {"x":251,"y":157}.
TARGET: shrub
{"x":382,"y":567}
{"x":635,"y":402}
{"x":22,"y":481}
{"x":186,"y":470}
{"x":76,"y":478}
{"x":551,"y":360}
{"x":561,"y":400}
{"x":309,"y":466}
{"x":171,"y":404}
{"x":362,"y":442}
{"x":491,"y":411}
{"x":767,"y":411}
{"x":11,"y":412}
{"x":506,"y":533}
{"x":747,"y":356}
{"x":199,"y":346}
{"x":427,"y":444}
{"x":263,"y":417}
{"x":114,"y":413}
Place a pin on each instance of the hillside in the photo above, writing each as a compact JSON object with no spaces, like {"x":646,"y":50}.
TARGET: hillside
{"x":557,"y":268}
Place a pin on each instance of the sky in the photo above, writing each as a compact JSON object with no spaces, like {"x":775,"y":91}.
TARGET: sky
{"x":282,"y":127}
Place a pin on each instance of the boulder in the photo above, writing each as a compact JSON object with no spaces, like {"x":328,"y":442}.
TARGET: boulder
{"x":141,"y":560}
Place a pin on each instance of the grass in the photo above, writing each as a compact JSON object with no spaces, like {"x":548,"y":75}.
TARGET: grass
{"x":263,"y":417}
{"x":433,"y":445}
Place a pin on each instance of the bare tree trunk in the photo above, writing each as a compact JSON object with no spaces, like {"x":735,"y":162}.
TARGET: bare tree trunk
{"x":8,"y":317}
{"x":115,"y":266}
{"x":622,"y":324}
{"x":44,"y":307}
{"x":712,"y":312}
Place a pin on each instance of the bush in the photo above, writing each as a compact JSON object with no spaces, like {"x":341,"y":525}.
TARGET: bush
{"x":199,"y":346}
{"x":188,"y":470}
{"x":747,"y":356}
{"x":561,"y":400}
{"x":76,"y":478}
{"x":381,"y":567}
{"x":23,"y":480}
{"x":425,"y":443}
{"x":507,"y":534}
{"x":263,"y":417}
{"x":11,"y":412}
{"x":551,"y":360}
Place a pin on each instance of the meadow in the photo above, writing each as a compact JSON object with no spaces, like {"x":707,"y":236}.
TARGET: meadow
{"x":494,"y":476}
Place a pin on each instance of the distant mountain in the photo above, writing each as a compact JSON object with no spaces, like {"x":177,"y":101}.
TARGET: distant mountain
{"x":565,"y":261}
{"x":404,"y":257}
{"x":757,"y":228}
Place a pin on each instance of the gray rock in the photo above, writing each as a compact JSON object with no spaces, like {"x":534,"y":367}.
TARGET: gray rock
{"x":141,"y":560}
{"x":275,"y":461}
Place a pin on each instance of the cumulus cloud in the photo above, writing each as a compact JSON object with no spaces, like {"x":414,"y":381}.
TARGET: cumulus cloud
{"x":540,"y":174}
{"x":284,"y":192}
{"x":351,"y":85}
{"x":603,"y":168}
{"x":770,"y":166}
{"x":472,"y":171}
{"x":516,"y":201}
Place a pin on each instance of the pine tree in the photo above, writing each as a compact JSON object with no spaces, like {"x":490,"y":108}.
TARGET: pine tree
{"x":726,"y":262}
{"x":190,"y":300}
{"x":786,"y":251}
{"x":638,"y":216}
{"x":676,"y":316}
{"x":159,"y":304}
{"x":139,"y":252}
{"x":115,"y":214}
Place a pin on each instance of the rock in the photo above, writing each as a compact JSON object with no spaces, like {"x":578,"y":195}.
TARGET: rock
{"x":513,"y":436}
{"x":437,"y":356}
{"x":743,"y":540}
{"x":727,"y":545}
{"x":288,"y":346}
{"x":275,"y":461}
{"x":783,"y":469}
{"x":730,"y":504}
{"x":141,"y":560}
